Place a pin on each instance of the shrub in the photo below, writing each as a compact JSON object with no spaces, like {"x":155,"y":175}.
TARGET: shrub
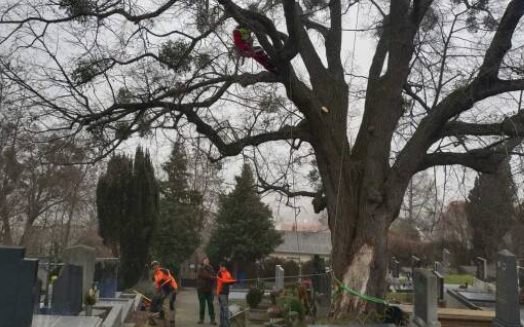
{"x":289,"y":304}
{"x":90,"y":298}
{"x":255,"y":295}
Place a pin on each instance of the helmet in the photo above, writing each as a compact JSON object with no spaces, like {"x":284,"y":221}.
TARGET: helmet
{"x":153,"y":263}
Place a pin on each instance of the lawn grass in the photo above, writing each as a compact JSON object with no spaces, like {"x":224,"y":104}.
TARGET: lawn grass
{"x":458,"y":279}
{"x":400,"y":297}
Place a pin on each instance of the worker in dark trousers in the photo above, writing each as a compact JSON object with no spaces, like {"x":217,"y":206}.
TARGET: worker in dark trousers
{"x":205,"y":281}
{"x":224,"y":281}
{"x":166,"y":287}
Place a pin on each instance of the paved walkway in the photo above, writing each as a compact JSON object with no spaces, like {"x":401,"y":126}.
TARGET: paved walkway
{"x":187,"y":309}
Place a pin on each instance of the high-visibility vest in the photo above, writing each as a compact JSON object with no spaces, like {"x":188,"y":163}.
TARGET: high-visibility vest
{"x":163,"y":277}
{"x":223,"y":277}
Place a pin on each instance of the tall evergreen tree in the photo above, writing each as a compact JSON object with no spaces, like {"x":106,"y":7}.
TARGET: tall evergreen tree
{"x":244,"y":229}
{"x":177,"y":234}
{"x":127,"y":204}
{"x":490,"y":210}
{"x":112,"y":200}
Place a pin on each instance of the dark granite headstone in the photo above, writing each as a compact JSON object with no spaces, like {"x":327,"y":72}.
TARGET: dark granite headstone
{"x":439,"y":267}
{"x":482,"y":269}
{"x":67,"y":291}
{"x":507,"y":307}
{"x":37,"y":292}
{"x":17,"y":284}
{"x":395,"y":268}
{"x":106,"y":277}
{"x":425,"y":301}
{"x":440,"y":286}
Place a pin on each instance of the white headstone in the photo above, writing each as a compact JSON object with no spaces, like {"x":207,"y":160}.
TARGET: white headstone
{"x":426,"y":296}
{"x":279,"y":278}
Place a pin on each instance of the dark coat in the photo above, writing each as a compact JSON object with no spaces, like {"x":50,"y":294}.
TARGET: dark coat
{"x":206,"y":279}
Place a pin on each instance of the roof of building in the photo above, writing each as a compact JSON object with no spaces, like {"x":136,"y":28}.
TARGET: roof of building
{"x":308,"y":243}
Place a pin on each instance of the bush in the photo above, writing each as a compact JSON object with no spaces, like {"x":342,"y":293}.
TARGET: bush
{"x":289,"y":304}
{"x":255,"y":295}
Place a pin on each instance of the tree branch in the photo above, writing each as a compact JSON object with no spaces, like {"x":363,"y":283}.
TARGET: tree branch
{"x":485,"y":160}
{"x":511,"y":126}
{"x":501,"y":42}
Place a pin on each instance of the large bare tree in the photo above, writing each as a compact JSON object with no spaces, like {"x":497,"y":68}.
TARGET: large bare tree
{"x":430,"y":95}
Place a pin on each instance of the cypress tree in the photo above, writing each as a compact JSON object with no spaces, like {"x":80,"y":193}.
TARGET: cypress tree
{"x":127,"y":205}
{"x":490,"y":211}
{"x":244,"y":230}
{"x":112,"y":200}
{"x":177,"y":235}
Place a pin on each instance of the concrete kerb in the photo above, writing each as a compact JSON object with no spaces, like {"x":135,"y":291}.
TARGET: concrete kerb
{"x":114,"y":317}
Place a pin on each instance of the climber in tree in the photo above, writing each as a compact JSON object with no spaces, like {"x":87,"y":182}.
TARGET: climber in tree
{"x":244,"y":45}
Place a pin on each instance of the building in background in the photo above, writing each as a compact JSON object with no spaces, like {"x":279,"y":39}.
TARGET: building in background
{"x":303,"y":245}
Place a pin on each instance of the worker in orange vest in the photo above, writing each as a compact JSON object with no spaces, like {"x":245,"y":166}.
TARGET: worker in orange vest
{"x":224,"y":280}
{"x":167,"y":287}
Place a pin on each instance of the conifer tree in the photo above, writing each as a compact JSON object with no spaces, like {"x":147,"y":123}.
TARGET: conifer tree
{"x":127,"y":204}
{"x":244,"y":230}
{"x":177,"y":235}
{"x":490,"y":211}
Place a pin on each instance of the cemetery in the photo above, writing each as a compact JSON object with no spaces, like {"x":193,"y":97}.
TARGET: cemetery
{"x":261,"y":163}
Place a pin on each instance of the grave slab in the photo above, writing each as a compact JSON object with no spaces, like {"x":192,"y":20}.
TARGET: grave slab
{"x":65,"y":321}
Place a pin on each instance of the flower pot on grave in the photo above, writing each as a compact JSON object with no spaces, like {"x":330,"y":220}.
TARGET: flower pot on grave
{"x":89,"y":310}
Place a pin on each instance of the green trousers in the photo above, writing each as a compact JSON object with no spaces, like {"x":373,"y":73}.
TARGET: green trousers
{"x":203,"y":298}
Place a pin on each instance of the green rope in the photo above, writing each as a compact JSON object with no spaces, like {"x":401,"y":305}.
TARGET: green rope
{"x":362,"y":296}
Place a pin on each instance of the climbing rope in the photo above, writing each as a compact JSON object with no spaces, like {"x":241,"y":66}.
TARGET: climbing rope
{"x":368,"y":298}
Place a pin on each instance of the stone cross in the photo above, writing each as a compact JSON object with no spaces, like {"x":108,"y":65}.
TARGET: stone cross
{"x":425,"y":301}
{"x":279,"y":278}
{"x":507,"y":307}
{"x":18,"y":284}
{"x":83,"y":256}
{"x":482,"y":268}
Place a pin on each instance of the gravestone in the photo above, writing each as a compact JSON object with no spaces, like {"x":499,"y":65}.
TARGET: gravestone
{"x":279,"y":278}
{"x":425,"y":301}
{"x":37,"y":294}
{"x":395,"y":268}
{"x":440,"y":287}
{"x":83,"y":256}
{"x":106,"y":277}
{"x":481,"y":265}
{"x":415,"y":263}
{"x":507,"y":307}
{"x":439,"y":267}
{"x":17,"y":286}
{"x":446,"y":260}
{"x":67,"y":294}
